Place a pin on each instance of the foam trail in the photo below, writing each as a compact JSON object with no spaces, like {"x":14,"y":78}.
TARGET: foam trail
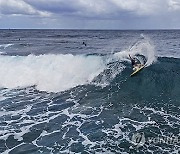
{"x":143,"y":47}
{"x":49,"y":72}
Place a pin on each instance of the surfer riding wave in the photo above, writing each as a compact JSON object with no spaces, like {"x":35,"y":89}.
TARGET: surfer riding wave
{"x":135,"y":63}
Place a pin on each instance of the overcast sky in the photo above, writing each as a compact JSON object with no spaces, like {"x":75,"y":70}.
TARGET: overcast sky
{"x":90,"y":14}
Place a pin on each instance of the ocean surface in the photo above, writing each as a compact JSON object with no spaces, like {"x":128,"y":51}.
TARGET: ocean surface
{"x":70,"y":91}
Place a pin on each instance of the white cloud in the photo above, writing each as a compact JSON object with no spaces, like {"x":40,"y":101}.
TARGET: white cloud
{"x":19,"y":7}
{"x":174,"y":5}
{"x":96,"y":13}
{"x":106,"y":8}
{"x":90,"y":8}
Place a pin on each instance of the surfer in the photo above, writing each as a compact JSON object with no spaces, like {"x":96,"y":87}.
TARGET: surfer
{"x":84,"y":43}
{"x":135,"y":63}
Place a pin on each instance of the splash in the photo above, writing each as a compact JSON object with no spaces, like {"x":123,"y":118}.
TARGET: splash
{"x":142,"y":47}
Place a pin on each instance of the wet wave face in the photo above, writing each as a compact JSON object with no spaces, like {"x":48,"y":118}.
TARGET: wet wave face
{"x":64,"y":103}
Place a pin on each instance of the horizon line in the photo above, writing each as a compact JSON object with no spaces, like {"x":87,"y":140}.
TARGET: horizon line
{"x":88,"y":29}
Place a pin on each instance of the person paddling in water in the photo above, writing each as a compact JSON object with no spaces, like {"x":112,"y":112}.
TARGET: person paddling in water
{"x":135,"y":63}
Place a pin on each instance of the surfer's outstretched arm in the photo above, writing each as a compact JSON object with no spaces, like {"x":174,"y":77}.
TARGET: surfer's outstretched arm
{"x":133,"y":61}
{"x":130,"y":56}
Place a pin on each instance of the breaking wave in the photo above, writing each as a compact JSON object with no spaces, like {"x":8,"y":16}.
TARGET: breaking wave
{"x":55,"y":73}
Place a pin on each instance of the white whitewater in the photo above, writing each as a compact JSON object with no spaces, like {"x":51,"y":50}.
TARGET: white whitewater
{"x":49,"y":72}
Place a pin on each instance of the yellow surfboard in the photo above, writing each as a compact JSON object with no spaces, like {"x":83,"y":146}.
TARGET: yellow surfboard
{"x":137,"y":70}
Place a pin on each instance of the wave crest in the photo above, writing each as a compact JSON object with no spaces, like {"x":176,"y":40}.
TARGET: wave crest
{"x":49,"y":72}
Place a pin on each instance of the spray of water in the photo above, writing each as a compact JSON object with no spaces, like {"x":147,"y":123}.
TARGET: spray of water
{"x":142,"y":47}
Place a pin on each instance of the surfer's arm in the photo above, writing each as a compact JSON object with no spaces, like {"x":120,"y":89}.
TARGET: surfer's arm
{"x":130,"y":57}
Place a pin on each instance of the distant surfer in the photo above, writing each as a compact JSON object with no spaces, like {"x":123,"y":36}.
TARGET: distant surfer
{"x":84,"y":43}
{"x":135,"y":63}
